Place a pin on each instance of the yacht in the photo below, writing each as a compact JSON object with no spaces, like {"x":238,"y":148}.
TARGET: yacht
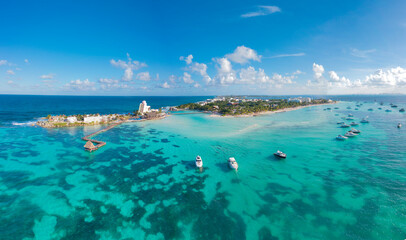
{"x":370,"y":109}
{"x":341,"y":123}
{"x":341,"y":137}
{"x":399,"y":125}
{"x":355,"y":130}
{"x":388,"y":110}
{"x":354,"y":124}
{"x":350,"y":115}
{"x":356,"y":108}
{"x":232,"y":163}
{"x":348,"y":107}
{"x":345,"y":125}
{"x":336,"y":108}
{"x":364,"y":120}
{"x":402,"y":110}
{"x":280,"y":154}
{"x":199,"y":162}
{"x":350,"y":118}
{"x":380,"y":108}
{"x":394,"y":106}
{"x":350,"y":134}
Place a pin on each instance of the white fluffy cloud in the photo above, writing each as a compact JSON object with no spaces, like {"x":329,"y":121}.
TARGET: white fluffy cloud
{"x":47,"y":76}
{"x":10,"y":72}
{"x":26,"y":61}
{"x":262,"y":11}
{"x":225,"y":73}
{"x":165,"y":85}
{"x":80,"y":85}
{"x":144,"y":76}
{"x":195,"y":67}
{"x":243,"y":55}
{"x":389,"y":78}
{"x":187,"y":59}
{"x":128,"y":67}
{"x":172,"y":78}
{"x":318,"y":71}
{"x":196,"y":85}
{"x":187,"y":78}
{"x":3,"y":62}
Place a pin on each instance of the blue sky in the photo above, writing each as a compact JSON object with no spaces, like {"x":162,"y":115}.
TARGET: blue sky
{"x":202,"y":47}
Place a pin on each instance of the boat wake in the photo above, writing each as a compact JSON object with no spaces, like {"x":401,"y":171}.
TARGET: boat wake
{"x":29,"y":123}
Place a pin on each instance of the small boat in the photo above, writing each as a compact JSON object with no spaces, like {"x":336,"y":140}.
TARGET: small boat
{"x":388,"y":110}
{"x":356,"y":108}
{"x":341,"y":137}
{"x":381,"y":103}
{"x":355,"y":130}
{"x":280,"y":154}
{"x":345,"y":126}
{"x":364,"y":120}
{"x":341,"y":123}
{"x":354,"y":124}
{"x":399,"y":125}
{"x":336,"y":108}
{"x":232,"y":163}
{"x":348,"y":107}
{"x":199,"y":162}
{"x":350,"y":115}
{"x":394,"y":106}
{"x":370,"y":109}
{"x":350,"y":134}
{"x":328,"y":108}
{"x":402,"y":110}
{"x":350,"y":118}
{"x":380,"y":108}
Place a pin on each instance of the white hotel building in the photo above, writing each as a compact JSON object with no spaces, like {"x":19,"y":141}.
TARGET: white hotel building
{"x":144,"y":108}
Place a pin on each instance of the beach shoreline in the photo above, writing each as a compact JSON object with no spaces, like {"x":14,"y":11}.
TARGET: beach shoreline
{"x":269,"y":112}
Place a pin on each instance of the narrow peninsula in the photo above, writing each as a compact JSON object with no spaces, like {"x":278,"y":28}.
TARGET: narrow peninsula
{"x":243,"y":106}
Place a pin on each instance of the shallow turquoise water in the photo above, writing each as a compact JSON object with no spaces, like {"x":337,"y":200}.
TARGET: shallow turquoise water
{"x":143,"y":184}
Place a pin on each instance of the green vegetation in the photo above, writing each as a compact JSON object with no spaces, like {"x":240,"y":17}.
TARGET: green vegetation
{"x":236,"y":107}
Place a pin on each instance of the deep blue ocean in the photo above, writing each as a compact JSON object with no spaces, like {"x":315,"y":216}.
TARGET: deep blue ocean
{"x":143,"y":184}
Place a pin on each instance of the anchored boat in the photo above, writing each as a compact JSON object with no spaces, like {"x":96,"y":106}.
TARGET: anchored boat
{"x":232,"y":163}
{"x":199,"y":162}
{"x":280,"y":154}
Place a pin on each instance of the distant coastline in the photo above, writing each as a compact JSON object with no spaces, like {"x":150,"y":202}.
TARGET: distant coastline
{"x":241,"y":107}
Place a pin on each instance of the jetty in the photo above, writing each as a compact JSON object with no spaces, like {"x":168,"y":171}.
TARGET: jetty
{"x":90,"y":143}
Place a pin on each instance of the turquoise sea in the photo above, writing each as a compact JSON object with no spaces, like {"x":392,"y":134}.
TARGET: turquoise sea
{"x":144,"y":185}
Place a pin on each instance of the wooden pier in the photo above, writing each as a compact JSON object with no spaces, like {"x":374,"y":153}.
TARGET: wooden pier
{"x":89,"y":146}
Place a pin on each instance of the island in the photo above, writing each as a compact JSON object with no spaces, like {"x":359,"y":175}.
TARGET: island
{"x":143,"y":113}
{"x":242,"y":106}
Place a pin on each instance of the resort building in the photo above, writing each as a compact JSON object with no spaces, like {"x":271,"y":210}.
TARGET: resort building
{"x":144,"y":108}
{"x":71,"y":119}
{"x":94,"y":119}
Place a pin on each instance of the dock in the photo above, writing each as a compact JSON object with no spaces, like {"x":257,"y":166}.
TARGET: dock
{"x":90,"y":143}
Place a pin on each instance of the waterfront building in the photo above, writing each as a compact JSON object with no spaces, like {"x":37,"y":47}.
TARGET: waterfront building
{"x":144,"y":108}
{"x":94,"y":119}
{"x":89,"y":146}
{"x":71,"y":119}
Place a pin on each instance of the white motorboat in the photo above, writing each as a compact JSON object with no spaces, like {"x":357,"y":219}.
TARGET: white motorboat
{"x":399,"y":125}
{"x":402,"y":110}
{"x":349,"y":118}
{"x":280,"y":154}
{"x":364,"y":120}
{"x":388,"y":110}
{"x":345,"y":126}
{"x":354,"y":124}
{"x":341,"y":123}
{"x":350,"y":134}
{"x":341,"y":137}
{"x":355,"y":130}
{"x":350,"y":115}
{"x":370,"y":109}
{"x":232,"y":163}
{"x":199,"y":162}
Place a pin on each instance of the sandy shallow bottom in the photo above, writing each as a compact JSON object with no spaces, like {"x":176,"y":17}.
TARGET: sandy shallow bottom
{"x":144,"y":185}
